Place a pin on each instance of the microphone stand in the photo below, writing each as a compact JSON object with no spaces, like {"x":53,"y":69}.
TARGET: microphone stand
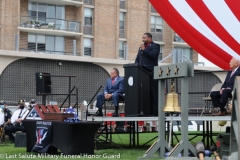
{"x":141,"y":114}
{"x":92,"y":100}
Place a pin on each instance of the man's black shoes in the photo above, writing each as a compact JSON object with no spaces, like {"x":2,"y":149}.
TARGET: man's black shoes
{"x":115,"y":115}
{"x":98,"y":114}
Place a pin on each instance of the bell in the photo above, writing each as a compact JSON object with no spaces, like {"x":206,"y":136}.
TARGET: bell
{"x":172,"y":101}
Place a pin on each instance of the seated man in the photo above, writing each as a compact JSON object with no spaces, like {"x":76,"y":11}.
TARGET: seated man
{"x":220,"y":98}
{"x":113,"y":90}
{"x":16,"y":120}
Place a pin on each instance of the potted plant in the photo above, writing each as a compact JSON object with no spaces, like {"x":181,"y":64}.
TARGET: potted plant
{"x":32,"y":23}
{"x":51,"y":26}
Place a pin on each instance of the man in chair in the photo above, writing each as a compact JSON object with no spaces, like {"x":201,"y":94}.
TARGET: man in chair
{"x":113,"y":90}
{"x":16,"y":120}
{"x":220,"y":98}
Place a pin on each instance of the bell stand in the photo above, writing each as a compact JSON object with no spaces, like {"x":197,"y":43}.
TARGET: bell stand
{"x":183,"y":71}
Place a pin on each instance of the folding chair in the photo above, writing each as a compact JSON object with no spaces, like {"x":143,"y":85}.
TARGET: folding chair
{"x":3,"y":135}
{"x":208,"y":99}
{"x":120,"y":109}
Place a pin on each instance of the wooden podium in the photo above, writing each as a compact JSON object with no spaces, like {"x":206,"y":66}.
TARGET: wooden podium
{"x":137,"y":90}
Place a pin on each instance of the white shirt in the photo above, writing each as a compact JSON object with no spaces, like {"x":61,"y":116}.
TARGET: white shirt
{"x":1,"y":116}
{"x":235,"y":70}
{"x":16,"y":114}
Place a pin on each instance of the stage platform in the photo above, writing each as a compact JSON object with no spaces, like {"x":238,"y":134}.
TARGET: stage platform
{"x":190,"y":118}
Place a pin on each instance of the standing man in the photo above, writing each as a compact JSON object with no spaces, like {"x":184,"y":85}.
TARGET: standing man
{"x":147,"y":57}
{"x":7,"y":114}
{"x":113,"y":90}
{"x":220,"y":98}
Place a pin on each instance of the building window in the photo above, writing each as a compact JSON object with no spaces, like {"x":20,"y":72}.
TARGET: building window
{"x":156,"y":24}
{"x":153,"y":10}
{"x":122,"y":50}
{"x":88,"y":14}
{"x":177,"y":38}
{"x":88,"y":2}
{"x":182,"y":55}
{"x":157,"y":28}
{"x":37,"y":9}
{"x":87,"y":43}
{"x":122,"y":24}
{"x":187,"y":52}
{"x":122,"y":4}
{"x":46,"y":44}
{"x":46,"y":11}
{"x":160,"y":56}
{"x":46,"y":14}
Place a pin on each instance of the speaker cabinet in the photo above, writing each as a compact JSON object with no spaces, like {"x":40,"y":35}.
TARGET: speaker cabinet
{"x":43,"y":83}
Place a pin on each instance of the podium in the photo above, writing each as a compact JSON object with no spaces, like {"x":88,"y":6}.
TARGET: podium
{"x":137,"y":90}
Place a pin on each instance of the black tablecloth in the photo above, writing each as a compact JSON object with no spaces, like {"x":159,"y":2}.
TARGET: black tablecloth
{"x":70,"y":138}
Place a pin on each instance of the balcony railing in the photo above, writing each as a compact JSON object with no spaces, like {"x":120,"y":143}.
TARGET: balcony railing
{"x":122,"y":5}
{"x":177,"y":38}
{"x":47,"y":51}
{"x":49,"y":23}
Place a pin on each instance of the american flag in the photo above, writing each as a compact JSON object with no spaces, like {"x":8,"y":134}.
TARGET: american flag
{"x":211,"y":27}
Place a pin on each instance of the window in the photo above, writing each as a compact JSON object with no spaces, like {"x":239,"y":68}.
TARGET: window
{"x":88,"y":21}
{"x":182,"y":55}
{"x":153,"y":10}
{"x":122,"y":50}
{"x":87,"y":43}
{"x":88,"y":2}
{"x":160,"y":53}
{"x":187,"y":52}
{"x":87,"y":16}
{"x":156,"y":24}
{"x":36,"y":43}
{"x":46,"y":13}
{"x":121,"y":24}
{"x":46,"y":44}
{"x":177,"y":38}
{"x":122,"y":4}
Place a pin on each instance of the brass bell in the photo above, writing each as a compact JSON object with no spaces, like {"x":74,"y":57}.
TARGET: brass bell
{"x":172,"y":101}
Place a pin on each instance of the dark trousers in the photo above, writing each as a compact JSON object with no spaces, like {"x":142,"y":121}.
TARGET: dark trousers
{"x":154,"y":96}
{"x":115,"y":98}
{"x":220,"y":100}
{"x":9,"y":130}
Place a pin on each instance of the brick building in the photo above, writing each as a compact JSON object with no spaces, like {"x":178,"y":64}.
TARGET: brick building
{"x":94,"y":34}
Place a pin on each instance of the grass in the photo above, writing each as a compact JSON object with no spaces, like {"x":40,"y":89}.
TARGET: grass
{"x":111,"y":153}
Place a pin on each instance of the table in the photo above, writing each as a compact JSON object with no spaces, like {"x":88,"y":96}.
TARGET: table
{"x":71,"y":138}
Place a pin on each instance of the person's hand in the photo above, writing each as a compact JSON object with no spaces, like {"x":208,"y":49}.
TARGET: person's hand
{"x":142,"y":46}
{"x":19,"y":120}
{"x":108,"y":96}
{"x":221,"y":91}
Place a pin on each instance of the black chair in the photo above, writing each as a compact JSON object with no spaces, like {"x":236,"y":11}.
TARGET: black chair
{"x":121,"y":105}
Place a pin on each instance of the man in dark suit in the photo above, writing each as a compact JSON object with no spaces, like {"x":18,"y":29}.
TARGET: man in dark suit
{"x":148,"y":58}
{"x":113,"y":90}
{"x":220,"y":98}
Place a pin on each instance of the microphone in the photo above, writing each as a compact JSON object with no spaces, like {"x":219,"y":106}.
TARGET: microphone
{"x":140,"y":47}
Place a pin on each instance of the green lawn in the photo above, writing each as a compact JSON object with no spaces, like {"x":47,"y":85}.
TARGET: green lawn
{"x":111,"y":151}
